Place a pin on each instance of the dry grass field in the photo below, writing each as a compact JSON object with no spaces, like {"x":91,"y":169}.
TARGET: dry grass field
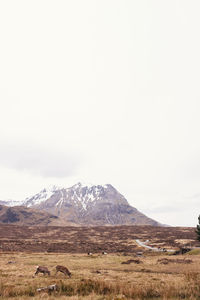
{"x":120,"y":274}
{"x":100,"y":276}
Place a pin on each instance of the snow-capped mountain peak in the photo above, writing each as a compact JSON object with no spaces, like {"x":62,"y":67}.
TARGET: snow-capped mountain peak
{"x":82,"y":185}
{"x":42,"y":196}
{"x":81,"y":195}
{"x":87,"y":204}
{"x":85,"y":194}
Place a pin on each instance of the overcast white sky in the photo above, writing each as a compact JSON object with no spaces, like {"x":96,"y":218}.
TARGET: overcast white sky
{"x":104,"y":92}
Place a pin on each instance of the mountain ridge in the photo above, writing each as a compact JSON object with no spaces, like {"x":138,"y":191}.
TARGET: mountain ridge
{"x":85,"y":205}
{"x":89,"y":205}
{"x":21,"y":215}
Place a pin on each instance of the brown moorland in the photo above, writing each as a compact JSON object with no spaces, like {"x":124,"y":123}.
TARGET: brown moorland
{"x":112,"y":239}
{"x":154,"y":275}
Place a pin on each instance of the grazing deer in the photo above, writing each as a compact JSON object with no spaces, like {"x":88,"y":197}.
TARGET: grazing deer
{"x":43,"y":270}
{"x":63,"y":270}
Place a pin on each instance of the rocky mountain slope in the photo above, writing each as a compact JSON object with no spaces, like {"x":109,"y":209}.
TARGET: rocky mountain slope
{"x":21,"y":215}
{"x":88,"y":205}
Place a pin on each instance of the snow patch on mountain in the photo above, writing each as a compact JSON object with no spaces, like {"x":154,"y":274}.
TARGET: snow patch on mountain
{"x":84,"y":194}
{"x":81,"y":194}
{"x":81,"y":185}
{"x":11,"y":203}
{"x":41,"y":196}
{"x":60,"y":202}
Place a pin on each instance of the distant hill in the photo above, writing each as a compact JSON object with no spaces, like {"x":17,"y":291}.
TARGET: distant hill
{"x":20,"y":215}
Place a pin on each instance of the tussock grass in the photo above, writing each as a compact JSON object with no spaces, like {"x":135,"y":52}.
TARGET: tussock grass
{"x":102,"y":278}
{"x":194,"y":252}
{"x":108,"y":291}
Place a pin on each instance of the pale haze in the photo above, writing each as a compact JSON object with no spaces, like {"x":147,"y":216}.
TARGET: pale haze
{"x":103,"y":92}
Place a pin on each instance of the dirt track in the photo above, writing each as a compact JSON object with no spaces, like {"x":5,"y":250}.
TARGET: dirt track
{"x":91,"y":239}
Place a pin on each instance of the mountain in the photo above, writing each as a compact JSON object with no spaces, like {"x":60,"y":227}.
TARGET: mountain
{"x":11,"y":202}
{"x":88,"y":205}
{"x":20,"y":215}
{"x":41,"y":196}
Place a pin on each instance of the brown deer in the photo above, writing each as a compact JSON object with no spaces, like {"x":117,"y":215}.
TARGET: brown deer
{"x":43,"y":270}
{"x":63,"y":270}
